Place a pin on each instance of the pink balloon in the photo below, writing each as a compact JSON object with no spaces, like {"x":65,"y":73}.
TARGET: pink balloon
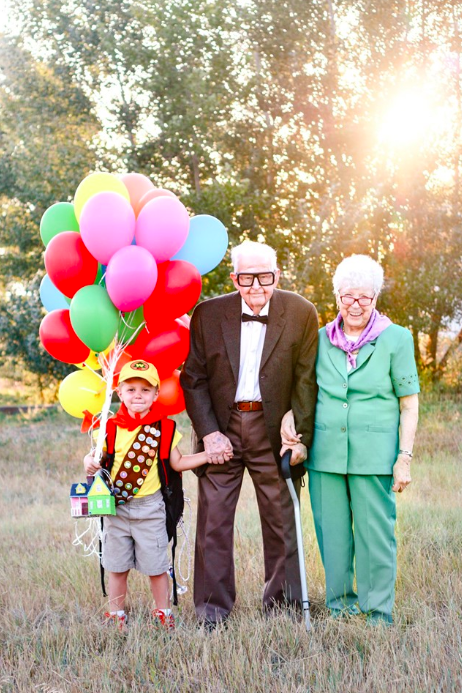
{"x":107,"y":224}
{"x":162,"y":227}
{"x":151,"y":195}
{"x":131,"y":276}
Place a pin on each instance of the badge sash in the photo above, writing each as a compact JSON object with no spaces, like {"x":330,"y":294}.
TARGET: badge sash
{"x":137,"y":463}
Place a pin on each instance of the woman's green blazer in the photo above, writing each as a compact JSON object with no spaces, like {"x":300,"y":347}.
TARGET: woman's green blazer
{"x":357,"y":413}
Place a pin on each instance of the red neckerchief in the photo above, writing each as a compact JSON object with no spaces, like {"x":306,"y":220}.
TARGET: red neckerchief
{"x":122,"y":419}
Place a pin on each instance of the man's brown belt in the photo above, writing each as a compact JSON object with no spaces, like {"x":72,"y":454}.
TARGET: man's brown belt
{"x":248,"y":406}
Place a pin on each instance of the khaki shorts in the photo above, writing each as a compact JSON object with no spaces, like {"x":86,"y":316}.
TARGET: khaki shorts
{"x":137,"y":537}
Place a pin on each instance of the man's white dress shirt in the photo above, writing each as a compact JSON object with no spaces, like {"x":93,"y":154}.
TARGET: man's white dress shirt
{"x":252,"y":341}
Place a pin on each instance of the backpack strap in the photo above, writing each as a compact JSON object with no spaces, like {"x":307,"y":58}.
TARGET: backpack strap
{"x":168,"y":427}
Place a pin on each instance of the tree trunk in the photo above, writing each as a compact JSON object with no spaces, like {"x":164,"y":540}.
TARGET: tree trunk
{"x":195,"y":172}
{"x":456,"y":342}
{"x":433,"y":345}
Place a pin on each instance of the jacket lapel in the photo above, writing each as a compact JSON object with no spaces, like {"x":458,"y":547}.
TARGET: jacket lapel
{"x":275,"y":327}
{"x":231,"y":330}
{"x":338,"y":358}
{"x":364,"y":354}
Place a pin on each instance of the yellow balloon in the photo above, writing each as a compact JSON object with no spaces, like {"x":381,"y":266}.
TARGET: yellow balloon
{"x":93,"y":360}
{"x":80,"y":391}
{"x":95,"y":183}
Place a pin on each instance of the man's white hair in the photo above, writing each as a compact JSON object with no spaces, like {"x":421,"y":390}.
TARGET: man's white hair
{"x":248,"y":248}
{"x":358,"y":271}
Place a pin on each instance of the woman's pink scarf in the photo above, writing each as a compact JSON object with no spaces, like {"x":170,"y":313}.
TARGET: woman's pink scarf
{"x":377,"y":324}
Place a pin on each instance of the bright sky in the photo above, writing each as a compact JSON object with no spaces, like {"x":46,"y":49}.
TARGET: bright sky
{"x":5,"y":6}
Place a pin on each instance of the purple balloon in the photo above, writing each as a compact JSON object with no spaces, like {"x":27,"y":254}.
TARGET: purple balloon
{"x":107,"y":224}
{"x":162,"y":227}
{"x":131,"y":276}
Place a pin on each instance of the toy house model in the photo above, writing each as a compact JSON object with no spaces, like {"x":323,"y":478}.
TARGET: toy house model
{"x":79,"y":500}
{"x":100,"y":499}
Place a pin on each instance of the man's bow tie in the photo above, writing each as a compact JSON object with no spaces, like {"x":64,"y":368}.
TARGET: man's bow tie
{"x":257,"y":318}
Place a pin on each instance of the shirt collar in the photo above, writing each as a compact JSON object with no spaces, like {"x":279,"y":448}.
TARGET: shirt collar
{"x":245,"y":308}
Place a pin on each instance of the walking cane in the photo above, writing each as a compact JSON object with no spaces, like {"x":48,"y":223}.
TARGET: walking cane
{"x":287,"y":474}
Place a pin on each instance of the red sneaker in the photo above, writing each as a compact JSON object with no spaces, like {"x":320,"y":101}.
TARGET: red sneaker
{"x":166,"y":621}
{"x":120,"y":622}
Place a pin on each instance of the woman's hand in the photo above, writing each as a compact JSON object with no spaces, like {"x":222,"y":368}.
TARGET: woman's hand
{"x":289,"y":435}
{"x":401,"y":473}
{"x":299,"y":453}
{"x":91,"y":467}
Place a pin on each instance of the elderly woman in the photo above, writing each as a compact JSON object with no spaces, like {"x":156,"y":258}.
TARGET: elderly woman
{"x":366,"y":418}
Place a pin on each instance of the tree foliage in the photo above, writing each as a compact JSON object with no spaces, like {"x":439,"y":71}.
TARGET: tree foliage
{"x":295,"y":122}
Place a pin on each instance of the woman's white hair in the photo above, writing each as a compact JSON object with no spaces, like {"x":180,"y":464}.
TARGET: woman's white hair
{"x":248,"y":248}
{"x":358,"y":271}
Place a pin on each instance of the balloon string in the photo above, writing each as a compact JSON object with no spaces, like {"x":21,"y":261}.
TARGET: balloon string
{"x":109,"y":377}
{"x":134,"y":334}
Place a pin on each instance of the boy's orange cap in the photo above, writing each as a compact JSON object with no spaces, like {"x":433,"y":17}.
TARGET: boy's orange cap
{"x":140,"y":369}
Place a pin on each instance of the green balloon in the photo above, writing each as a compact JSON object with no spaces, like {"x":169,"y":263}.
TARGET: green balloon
{"x":94,"y":317}
{"x":59,"y":217}
{"x":129,"y":323}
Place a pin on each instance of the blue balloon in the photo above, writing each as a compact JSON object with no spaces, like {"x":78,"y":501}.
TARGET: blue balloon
{"x":206,"y":244}
{"x":50,"y":296}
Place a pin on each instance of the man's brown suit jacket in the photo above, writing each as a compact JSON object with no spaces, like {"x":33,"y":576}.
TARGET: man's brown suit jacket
{"x":287,"y":370}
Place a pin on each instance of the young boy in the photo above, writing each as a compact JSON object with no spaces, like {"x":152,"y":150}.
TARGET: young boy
{"x":136,"y":537}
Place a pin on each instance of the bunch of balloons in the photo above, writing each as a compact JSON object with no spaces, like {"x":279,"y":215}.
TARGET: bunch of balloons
{"x":124,"y":265}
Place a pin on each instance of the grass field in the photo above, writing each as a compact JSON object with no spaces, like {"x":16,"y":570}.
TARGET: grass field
{"x":51,"y":636}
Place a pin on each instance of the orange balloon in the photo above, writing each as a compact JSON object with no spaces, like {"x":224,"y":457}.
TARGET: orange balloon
{"x":137,"y":186}
{"x":151,"y":195}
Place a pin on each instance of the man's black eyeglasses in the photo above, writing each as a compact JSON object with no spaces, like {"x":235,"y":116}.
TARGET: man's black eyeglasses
{"x":363,"y":301}
{"x":248,"y":278}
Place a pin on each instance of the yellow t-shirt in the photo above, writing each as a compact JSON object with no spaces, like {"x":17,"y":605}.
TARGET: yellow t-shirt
{"x":123,"y":443}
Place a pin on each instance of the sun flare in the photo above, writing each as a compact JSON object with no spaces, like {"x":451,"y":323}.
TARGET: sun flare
{"x":410,"y":118}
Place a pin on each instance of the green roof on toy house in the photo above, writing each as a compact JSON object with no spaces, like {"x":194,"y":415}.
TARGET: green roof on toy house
{"x":100,"y":499}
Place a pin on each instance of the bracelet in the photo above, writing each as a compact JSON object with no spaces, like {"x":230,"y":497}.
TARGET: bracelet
{"x":405,"y":452}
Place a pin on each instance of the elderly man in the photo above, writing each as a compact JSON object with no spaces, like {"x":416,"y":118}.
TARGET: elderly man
{"x":252,"y":358}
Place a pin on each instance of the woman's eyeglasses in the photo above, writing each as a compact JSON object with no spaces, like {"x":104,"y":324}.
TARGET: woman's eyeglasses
{"x":363,"y":301}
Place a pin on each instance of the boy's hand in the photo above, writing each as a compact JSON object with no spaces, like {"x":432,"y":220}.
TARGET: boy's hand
{"x":91,"y":467}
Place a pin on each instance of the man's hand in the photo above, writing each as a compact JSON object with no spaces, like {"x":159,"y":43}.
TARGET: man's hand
{"x":289,"y":435}
{"x":299,"y":453}
{"x":91,"y":467}
{"x":217,"y":447}
{"x":401,"y":473}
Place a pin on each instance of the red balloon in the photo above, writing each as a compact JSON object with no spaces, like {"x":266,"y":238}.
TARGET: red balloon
{"x":59,"y":339}
{"x":69,"y":264}
{"x":171,"y":397}
{"x":166,"y":350}
{"x":177,"y":290}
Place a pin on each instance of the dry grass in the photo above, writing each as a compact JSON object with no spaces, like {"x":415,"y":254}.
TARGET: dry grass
{"x":52,"y":640}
